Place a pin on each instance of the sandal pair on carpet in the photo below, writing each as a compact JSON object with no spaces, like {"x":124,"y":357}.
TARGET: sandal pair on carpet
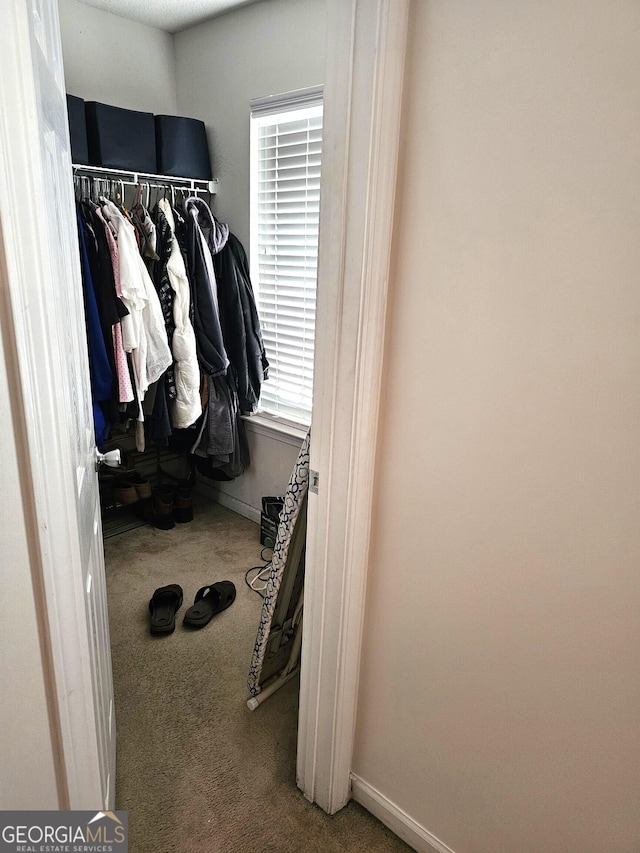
{"x":167,"y":600}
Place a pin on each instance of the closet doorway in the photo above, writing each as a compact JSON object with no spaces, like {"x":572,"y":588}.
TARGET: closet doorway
{"x":228,"y":135}
{"x":367,"y":48}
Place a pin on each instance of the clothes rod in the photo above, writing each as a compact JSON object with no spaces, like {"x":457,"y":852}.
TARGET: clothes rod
{"x":135,"y":178}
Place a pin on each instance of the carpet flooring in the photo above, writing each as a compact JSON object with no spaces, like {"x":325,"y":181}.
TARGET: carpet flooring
{"x":198,"y":771}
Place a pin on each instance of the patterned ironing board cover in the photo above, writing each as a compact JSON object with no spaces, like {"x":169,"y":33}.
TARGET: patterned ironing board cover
{"x":293,"y":500}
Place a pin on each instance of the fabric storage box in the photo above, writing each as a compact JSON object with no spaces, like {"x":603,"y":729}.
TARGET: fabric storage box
{"x":182,"y":147}
{"x":77,"y":130}
{"x":120,"y":139}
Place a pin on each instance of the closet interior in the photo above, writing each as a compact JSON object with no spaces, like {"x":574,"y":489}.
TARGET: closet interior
{"x":122,"y":508}
{"x":177,"y":437}
{"x":176,"y":359}
{"x":209,"y":72}
{"x":176,"y":354}
{"x":165,"y":253}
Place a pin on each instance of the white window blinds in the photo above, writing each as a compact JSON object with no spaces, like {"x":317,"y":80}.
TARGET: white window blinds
{"x":286,"y":148}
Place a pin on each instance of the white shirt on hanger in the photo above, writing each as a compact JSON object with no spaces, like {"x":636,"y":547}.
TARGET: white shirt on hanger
{"x":144,"y":334}
{"x":187,"y":407}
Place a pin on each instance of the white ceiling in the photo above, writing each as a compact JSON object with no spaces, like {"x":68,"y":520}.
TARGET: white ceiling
{"x":169,"y":15}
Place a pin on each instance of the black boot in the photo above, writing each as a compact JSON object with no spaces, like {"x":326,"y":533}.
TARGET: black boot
{"x":182,"y":505}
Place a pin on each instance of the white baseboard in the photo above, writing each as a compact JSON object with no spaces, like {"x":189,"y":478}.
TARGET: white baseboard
{"x":395,"y":818}
{"x":211,"y":491}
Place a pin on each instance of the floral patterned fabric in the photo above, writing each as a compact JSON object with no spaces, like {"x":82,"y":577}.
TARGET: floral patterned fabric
{"x":294,"y":497}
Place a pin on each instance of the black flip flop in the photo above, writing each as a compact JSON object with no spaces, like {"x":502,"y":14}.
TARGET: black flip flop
{"x":165,"y":603}
{"x":209,"y":600}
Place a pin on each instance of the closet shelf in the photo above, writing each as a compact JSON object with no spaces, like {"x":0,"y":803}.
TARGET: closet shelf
{"x":135,"y":178}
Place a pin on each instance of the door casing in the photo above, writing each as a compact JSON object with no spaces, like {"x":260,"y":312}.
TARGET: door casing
{"x":362,"y":112}
{"x":44,"y":336}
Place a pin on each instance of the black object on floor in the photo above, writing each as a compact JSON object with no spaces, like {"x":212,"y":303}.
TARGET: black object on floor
{"x":182,"y":504}
{"x":209,"y":600}
{"x":165,"y":603}
{"x":269,"y":519}
{"x":162,"y":506}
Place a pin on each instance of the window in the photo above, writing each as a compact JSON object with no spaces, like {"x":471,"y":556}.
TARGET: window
{"x":286,"y":149}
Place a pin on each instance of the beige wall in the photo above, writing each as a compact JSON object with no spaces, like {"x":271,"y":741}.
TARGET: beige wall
{"x":500,"y":693}
{"x":116,"y":61}
{"x":273,"y":456}
{"x":268,"y":48}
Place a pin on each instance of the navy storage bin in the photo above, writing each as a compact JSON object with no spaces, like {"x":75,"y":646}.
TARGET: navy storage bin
{"x":120,"y":139}
{"x":77,"y":130}
{"x":182,"y":147}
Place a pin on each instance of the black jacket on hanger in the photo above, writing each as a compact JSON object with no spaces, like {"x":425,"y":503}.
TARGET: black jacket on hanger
{"x":240,"y":323}
{"x":110,"y":308}
{"x":206,"y":320}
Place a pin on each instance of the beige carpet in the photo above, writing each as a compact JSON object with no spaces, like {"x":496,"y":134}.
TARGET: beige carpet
{"x":198,"y":771}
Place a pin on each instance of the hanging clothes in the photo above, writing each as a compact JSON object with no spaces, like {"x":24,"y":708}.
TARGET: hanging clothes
{"x":186,"y":406}
{"x":99,"y":368}
{"x":182,"y":352}
{"x":240,"y":323}
{"x":125,"y":388}
{"x":157,"y":426}
{"x":146,"y":229}
{"x":160,"y":278}
{"x":205,"y":236}
{"x":106,"y":300}
{"x":144,"y":334}
{"x":221,"y":441}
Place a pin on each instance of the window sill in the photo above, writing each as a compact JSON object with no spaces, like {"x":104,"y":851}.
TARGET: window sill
{"x":273,"y":428}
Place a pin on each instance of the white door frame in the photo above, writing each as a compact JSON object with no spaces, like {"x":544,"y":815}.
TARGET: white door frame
{"x":363,"y":98}
{"x":38,"y":334}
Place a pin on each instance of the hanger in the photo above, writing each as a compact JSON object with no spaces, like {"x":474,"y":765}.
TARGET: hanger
{"x":137,"y":199}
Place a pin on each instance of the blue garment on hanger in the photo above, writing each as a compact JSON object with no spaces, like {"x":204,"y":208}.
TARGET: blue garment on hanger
{"x":99,"y":367}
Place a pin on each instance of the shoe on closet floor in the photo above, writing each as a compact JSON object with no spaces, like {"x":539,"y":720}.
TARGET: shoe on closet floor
{"x":162,"y":506}
{"x":124,"y":491}
{"x":140,"y":484}
{"x":182,"y":503}
{"x":209,"y":600}
{"x":165,"y":603}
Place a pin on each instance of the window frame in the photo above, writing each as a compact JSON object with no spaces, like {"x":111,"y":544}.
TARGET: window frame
{"x":261,"y":109}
